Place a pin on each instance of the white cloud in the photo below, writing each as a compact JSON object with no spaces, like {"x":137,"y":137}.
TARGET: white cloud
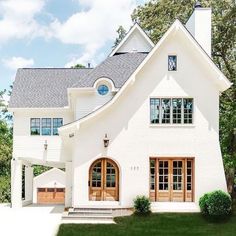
{"x":92,"y":28}
{"x":18,"y":62}
{"x":17,"y":18}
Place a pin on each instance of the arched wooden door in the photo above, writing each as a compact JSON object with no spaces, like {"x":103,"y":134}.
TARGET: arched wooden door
{"x":104,"y":180}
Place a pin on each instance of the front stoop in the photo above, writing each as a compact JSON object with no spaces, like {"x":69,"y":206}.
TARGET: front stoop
{"x":174,"y":207}
{"x":92,"y":215}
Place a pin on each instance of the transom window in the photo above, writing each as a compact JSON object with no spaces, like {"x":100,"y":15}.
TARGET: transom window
{"x":171,"y":110}
{"x":46,"y":126}
{"x":35,"y":126}
{"x":103,"y":89}
{"x":172,"y":62}
{"x":57,"y":123}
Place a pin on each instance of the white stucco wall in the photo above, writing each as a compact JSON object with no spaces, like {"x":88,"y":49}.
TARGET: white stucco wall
{"x":54,"y":178}
{"x":136,"y":42}
{"x":133,"y":140}
{"x":88,"y":102}
{"x":30,"y":146}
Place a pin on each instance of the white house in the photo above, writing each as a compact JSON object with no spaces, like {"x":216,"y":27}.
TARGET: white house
{"x":143,"y":122}
{"x":49,"y":187}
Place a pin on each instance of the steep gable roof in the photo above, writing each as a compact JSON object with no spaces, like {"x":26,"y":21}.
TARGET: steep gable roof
{"x":222,"y":82}
{"x":135,"y":40}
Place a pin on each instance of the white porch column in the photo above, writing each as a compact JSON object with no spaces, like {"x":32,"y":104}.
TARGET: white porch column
{"x":68,"y":193}
{"x":16,"y":183}
{"x":28,"y":184}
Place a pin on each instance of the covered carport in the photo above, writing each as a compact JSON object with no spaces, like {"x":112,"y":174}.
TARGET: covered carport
{"x":22,"y":179}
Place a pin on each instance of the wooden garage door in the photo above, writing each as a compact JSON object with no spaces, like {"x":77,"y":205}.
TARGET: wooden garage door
{"x":51,"y":195}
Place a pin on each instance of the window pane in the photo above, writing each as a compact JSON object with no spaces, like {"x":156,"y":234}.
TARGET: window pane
{"x":35,"y":126}
{"x":188,"y":110}
{"x":172,"y":63}
{"x":46,"y":126}
{"x":165,"y":110}
{"x":57,"y":123}
{"x":155,"y":110}
{"x":177,"y":110}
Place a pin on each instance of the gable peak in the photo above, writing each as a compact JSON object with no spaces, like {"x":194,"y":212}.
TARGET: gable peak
{"x":136,"y":40}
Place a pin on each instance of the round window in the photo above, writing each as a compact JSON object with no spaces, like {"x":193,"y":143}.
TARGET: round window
{"x":103,"y":89}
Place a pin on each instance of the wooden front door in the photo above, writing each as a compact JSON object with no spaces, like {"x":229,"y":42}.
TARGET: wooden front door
{"x":104,"y":181}
{"x":171,"y":180}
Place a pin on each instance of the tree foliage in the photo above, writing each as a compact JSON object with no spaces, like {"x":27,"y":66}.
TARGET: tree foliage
{"x":156,"y":16}
{"x":121,"y":34}
{"x":5,"y":150}
{"x":78,"y":66}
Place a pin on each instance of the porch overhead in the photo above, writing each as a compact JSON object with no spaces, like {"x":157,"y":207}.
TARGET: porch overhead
{"x":34,"y":161}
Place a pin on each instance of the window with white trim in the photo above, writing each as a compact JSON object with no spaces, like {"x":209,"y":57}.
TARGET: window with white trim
{"x":45,"y":126}
{"x":57,"y":123}
{"x":171,"y":111}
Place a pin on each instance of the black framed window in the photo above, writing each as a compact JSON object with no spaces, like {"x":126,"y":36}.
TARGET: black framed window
{"x":155,"y":110}
{"x":177,"y":110}
{"x":188,"y":110}
{"x":165,"y":110}
{"x":46,"y":126}
{"x":35,"y":126}
{"x":171,"y":110}
{"x":172,"y":63}
{"x":57,"y":123}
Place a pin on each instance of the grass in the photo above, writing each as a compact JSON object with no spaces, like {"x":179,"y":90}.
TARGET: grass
{"x":155,"y":224}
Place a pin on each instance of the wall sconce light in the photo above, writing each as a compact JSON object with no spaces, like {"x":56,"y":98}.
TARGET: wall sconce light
{"x":106,"y":141}
{"x":45,"y":145}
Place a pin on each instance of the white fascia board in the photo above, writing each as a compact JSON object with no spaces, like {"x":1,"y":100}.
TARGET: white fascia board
{"x":135,"y":26}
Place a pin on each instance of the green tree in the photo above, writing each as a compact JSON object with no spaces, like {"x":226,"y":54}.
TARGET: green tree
{"x":78,"y":66}
{"x":5,"y":151}
{"x":121,"y":34}
{"x":156,"y":16}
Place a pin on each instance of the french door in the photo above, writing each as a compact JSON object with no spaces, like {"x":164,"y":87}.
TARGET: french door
{"x":104,"y":181}
{"x":171,"y":180}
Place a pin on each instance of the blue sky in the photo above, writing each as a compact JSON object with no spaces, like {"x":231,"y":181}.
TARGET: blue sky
{"x":58,"y":33}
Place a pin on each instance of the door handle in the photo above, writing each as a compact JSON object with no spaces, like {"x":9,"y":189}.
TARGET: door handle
{"x":89,"y":183}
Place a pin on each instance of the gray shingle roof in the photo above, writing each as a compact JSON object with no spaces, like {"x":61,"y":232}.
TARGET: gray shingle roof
{"x":39,"y":88}
{"x":118,"y":68}
{"x":44,"y":88}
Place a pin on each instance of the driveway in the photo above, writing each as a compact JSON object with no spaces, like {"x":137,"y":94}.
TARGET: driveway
{"x":37,"y":220}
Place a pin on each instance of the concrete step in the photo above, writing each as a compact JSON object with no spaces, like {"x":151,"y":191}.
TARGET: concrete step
{"x":88,"y":215}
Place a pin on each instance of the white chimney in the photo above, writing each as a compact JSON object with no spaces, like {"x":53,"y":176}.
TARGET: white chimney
{"x":199,"y":25}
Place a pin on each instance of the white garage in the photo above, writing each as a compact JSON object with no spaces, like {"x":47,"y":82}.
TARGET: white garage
{"x":49,"y":187}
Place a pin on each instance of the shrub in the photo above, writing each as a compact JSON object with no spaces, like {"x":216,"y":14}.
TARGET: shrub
{"x":216,"y":204}
{"x":203,"y":203}
{"x":142,"y":205}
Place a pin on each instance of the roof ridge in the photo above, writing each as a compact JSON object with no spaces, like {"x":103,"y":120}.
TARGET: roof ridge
{"x":53,"y":68}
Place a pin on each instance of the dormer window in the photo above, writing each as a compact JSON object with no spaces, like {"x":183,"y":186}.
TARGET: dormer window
{"x":103,"y":89}
{"x":172,"y":63}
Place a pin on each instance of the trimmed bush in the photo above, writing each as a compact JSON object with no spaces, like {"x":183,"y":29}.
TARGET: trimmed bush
{"x":142,"y":205}
{"x":216,"y":204}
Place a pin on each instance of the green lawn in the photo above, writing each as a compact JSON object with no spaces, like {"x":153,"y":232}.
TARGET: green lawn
{"x":155,"y":224}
